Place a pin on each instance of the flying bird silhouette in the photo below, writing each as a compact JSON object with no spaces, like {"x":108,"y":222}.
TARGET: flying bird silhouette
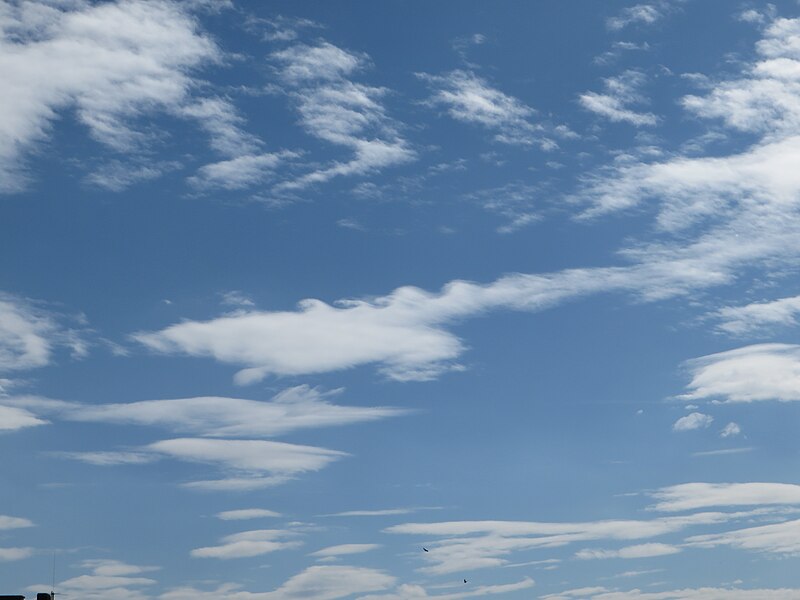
{"x":425,"y":549}
{"x":465,"y":581}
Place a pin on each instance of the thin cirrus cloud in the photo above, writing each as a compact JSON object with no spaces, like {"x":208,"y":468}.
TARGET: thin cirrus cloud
{"x":13,"y":418}
{"x":775,"y":538}
{"x":135,"y":57}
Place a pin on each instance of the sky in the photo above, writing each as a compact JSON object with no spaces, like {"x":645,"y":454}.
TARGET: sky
{"x":400,"y":300}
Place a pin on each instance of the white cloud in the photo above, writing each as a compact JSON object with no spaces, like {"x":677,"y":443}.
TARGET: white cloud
{"x":300,"y":407}
{"x":646,"y":14}
{"x":705,"y":593}
{"x":12,"y":418}
{"x":692,"y":421}
{"x":412,"y":591}
{"x":344,"y":550}
{"x":730,"y":430}
{"x":248,"y":456}
{"x":338,"y":111}
{"x":692,"y":496}
{"x":7,"y":522}
{"x":749,"y":374}
{"x":107,"y":580}
{"x":778,"y":538}
{"x":109,"y":458}
{"x":318,"y":582}
{"x":471,"y":99}
{"x":135,"y":57}
{"x":750,"y":318}
{"x":468,"y":545}
{"x":246,"y":513}
{"x":10,"y":554}
{"x":29,"y":334}
{"x":117,"y":175}
{"x":240,"y":172}
{"x":248,"y":544}
{"x":620,"y":92}
{"x":636,"y":551}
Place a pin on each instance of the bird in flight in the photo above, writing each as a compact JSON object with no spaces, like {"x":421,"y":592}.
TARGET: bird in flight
{"x":465,"y":581}
{"x":425,"y":549}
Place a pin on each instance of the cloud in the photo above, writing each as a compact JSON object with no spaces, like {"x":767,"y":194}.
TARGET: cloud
{"x":7,"y":522}
{"x":730,"y":430}
{"x":750,"y":318}
{"x":374,"y":513}
{"x":240,"y":172}
{"x":750,"y":374}
{"x":338,"y":111}
{"x":645,"y":14}
{"x":248,"y":544}
{"x":136,"y":57}
{"x":637,"y":551}
{"x":117,"y":175}
{"x":246,"y":513}
{"x":344,"y":550}
{"x":467,"y":545}
{"x":318,"y":582}
{"x":471,"y":99}
{"x":778,"y":538}
{"x":11,"y":554}
{"x":693,"y":496}
{"x":108,"y":579}
{"x":12,"y":418}
{"x":705,"y":593}
{"x":248,"y":456}
{"x":717,"y":218}
{"x":620,"y":91}
{"x":296,"y":408}
{"x":29,"y":335}
{"x":692,"y":421}
{"x":411,"y":591}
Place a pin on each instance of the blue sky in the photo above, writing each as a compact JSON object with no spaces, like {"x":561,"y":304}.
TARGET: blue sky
{"x":294,"y":290}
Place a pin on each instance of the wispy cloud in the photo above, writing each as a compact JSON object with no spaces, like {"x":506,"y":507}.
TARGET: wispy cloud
{"x":644,"y":14}
{"x":13,"y":418}
{"x":135,"y":57}
{"x":336,"y":110}
{"x":756,"y":316}
{"x":29,"y":335}
{"x":344,"y":550}
{"x":705,"y":593}
{"x":620,"y":92}
{"x":469,"y":98}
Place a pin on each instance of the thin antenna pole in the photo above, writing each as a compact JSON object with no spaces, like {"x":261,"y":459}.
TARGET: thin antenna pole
{"x":53,"y":588}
